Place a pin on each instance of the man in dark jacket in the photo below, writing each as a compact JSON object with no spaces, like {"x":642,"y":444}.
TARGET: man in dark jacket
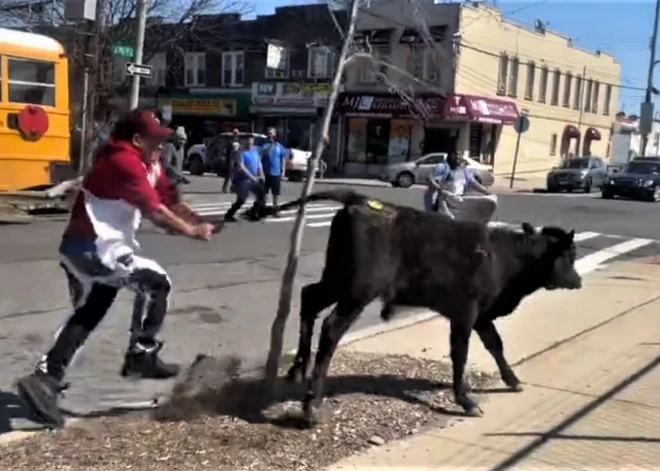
{"x":231,"y":154}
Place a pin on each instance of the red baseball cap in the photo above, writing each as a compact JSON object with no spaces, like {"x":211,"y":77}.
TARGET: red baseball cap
{"x":141,"y":122}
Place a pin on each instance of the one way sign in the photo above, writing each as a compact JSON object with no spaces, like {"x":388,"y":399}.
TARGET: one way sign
{"x":139,"y":70}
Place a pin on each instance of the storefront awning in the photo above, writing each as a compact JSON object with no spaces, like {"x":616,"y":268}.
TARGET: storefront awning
{"x":389,"y":104}
{"x":593,"y":134}
{"x":478,"y":108}
{"x":373,"y":36}
{"x":571,"y":132}
{"x":414,"y":36}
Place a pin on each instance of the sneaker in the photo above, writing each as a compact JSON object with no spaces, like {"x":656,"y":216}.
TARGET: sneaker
{"x":146,"y":364}
{"x":229,"y":219}
{"x":40,"y":393}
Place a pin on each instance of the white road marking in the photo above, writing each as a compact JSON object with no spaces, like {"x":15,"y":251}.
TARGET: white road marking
{"x":595,"y":260}
{"x":580,"y":236}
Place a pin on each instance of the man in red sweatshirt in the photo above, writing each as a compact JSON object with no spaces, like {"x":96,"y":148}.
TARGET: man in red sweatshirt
{"x":97,"y":254}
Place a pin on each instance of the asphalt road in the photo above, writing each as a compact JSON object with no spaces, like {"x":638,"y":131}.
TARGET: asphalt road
{"x":226,"y":290}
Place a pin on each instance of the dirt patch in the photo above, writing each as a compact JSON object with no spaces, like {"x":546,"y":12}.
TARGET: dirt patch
{"x":210,"y":421}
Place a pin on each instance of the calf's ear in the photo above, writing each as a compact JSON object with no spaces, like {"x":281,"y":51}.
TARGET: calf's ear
{"x":570,"y":237}
{"x":528,"y":228}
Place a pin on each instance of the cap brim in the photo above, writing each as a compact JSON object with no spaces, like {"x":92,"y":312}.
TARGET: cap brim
{"x":162,"y":133}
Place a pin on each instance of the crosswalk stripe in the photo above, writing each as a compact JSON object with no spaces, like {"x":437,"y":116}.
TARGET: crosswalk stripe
{"x":579,"y":237}
{"x":595,"y":260}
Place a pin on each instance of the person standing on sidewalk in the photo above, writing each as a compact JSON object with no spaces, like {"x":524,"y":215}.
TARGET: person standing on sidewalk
{"x":274,"y":155}
{"x":231,"y":158}
{"x":97,"y":253}
{"x":248,"y":178}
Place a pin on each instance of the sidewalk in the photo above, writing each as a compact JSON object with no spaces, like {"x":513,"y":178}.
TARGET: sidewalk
{"x":588,"y":359}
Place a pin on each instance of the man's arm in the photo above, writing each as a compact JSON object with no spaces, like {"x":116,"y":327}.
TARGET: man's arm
{"x":247,"y":172}
{"x":137,"y":191}
{"x":479,"y":188}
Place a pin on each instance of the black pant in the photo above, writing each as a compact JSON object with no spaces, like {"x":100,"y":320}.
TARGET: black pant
{"x":93,"y":289}
{"x":243,"y":190}
{"x":273,"y":184}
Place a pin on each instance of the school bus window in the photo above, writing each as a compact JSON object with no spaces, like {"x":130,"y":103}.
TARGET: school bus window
{"x":31,"y":82}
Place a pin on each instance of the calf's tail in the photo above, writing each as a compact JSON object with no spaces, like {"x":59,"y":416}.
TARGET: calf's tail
{"x":345,"y":197}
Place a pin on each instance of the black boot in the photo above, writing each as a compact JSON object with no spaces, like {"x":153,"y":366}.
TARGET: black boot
{"x":41,"y":389}
{"x":146,"y":364}
{"x":40,"y":392}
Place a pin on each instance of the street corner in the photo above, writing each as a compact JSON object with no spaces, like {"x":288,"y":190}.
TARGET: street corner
{"x":371,"y":400}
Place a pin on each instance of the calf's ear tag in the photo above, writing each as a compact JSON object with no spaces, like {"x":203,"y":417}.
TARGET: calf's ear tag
{"x":375,"y":204}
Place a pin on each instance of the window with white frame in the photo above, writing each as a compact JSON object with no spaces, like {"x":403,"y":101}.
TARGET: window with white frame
{"x":233,"y":69}
{"x":195,"y":69}
{"x":158,"y":65}
{"x":421,"y":63}
{"x":321,"y":62}
{"x":284,"y":72}
{"x":371,"y":70}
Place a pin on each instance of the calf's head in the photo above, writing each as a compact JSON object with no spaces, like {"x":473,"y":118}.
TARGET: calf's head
{"x":557,"y":264}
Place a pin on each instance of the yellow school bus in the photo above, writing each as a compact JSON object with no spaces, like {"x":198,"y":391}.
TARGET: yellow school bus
{"x":34,"y":111}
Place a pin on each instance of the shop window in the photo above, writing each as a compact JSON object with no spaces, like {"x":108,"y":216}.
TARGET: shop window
{"x":378,"y":141}
{"x":31,"y":81}
{"x":553,"y":144}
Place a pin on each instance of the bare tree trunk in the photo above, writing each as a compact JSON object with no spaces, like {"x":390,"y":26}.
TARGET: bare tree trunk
{"x":286,"y":290}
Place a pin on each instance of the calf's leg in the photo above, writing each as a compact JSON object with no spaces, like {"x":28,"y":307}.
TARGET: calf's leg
{"x":491,"y":339}
{"x":461,"y":324}
{"x":334,"y":327}
{"x":314,"y":298}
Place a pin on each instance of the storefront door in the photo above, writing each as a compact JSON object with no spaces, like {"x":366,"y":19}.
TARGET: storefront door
{"x":440,"y":140}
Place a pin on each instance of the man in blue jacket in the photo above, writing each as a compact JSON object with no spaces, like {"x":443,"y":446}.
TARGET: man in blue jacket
{"x":274,"y":156}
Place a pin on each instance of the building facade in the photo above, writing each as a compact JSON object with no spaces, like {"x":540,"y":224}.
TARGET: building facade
{"x":458,"y":78}
{"x":569,"y":93}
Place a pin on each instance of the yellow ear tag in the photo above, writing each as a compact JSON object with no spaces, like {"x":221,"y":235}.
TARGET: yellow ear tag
{"x":374,"y":204}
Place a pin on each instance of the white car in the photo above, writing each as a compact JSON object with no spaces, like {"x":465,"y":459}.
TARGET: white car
{"x":200,"y":160}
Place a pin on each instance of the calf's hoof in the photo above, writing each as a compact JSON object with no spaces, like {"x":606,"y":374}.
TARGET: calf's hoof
{"x":295,"y":374}
{"x":512,"y":381}
{"x":474,"y":412}
{"x":469,"y":405}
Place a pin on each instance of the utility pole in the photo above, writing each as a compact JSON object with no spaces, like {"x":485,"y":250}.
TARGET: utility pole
{"x":139,"y":52}
{"x":646,"y":114}
{"x":581,"y":106}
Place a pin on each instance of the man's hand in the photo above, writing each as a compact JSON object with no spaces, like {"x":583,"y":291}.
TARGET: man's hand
{"x":204,"y":231}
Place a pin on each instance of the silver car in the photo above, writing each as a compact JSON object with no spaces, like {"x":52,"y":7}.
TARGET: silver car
{"x":578,"y":173}
{"x":406,"y":174}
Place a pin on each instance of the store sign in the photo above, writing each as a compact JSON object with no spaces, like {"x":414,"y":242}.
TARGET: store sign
{"x":290,"y":94}
{"x":484,"y":109}
{"x":388,"y":104}
{"x":204,"y":106}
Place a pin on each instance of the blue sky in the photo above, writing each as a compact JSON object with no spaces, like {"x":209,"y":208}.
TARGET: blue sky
{"x":621,"y":27}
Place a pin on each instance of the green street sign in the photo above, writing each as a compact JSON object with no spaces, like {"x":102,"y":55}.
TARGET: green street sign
{"x":122,"y":50}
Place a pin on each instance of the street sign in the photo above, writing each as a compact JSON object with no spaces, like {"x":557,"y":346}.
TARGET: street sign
{"x":522,"y":124}
{"x":122,"y":50}
{"x":139,"y":70}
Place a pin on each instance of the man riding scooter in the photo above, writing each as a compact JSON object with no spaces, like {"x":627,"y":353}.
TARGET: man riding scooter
{"x":446,"y":193}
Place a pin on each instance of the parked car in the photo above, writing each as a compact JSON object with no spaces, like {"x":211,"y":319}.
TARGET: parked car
{"x":578,"y":173}
{"x":210,"y":156}
{"x":406,"y":174}
{"x":639,"y":179}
